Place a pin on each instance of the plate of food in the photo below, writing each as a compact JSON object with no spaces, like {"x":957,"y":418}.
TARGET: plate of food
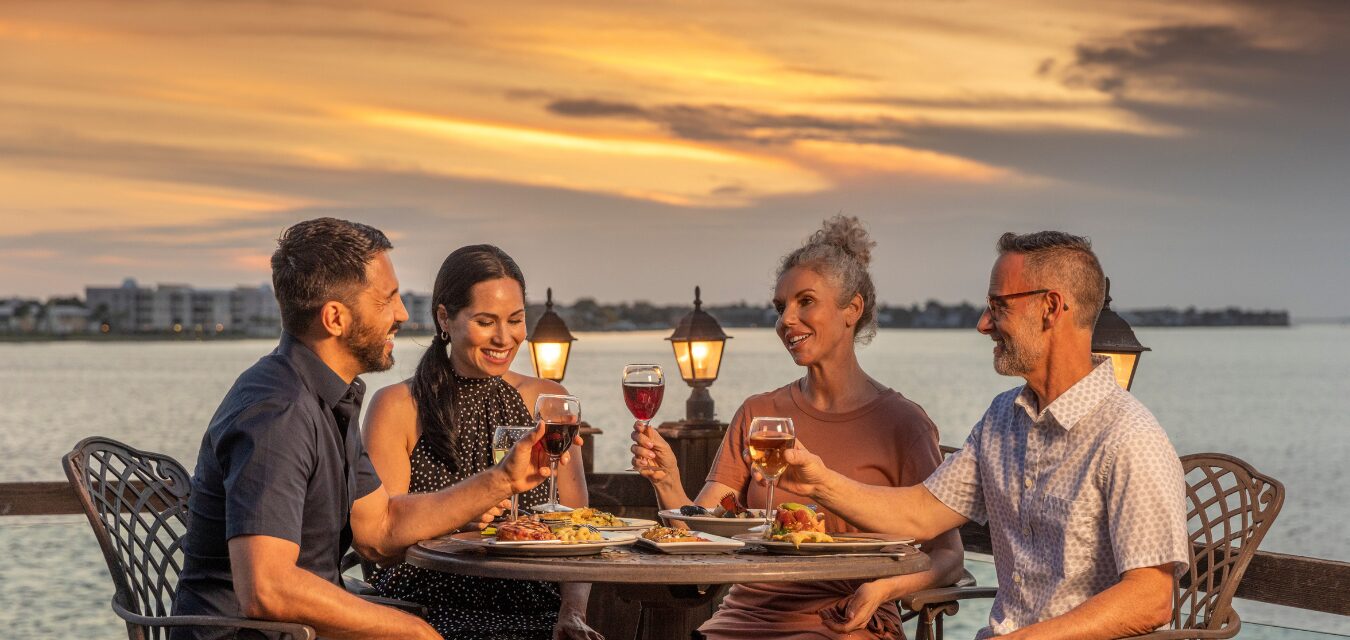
{"x":799,"y":530}
{"x":728,"y":518}
{"x":670,"y":540}
{"x":527,"y":536}
{"x":596,"y":518}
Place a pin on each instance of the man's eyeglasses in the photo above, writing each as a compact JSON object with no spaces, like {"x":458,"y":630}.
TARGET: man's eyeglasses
{"x":996,"y":305}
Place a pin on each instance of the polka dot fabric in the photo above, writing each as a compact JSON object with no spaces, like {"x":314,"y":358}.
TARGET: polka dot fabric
{"x":1074,"y":495}
{"x":464,"y":606}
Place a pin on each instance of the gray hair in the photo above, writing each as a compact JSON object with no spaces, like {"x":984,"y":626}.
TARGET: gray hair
{"x":1056,"y":259}
{"x":840,"y":251}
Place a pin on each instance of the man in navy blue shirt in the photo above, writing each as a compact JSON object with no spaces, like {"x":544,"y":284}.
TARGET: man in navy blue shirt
{"x":283,"y":485}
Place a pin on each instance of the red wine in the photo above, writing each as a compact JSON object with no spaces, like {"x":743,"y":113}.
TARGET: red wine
{"x":558,"y":437}
{"x":643,"y":398}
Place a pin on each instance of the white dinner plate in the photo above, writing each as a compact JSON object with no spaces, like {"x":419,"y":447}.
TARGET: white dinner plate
{"x":714,"y":544}
{"x":542,"y":547}
{"x":846,"y":543}
{"x":717,"y":526}
{"x":629,"y":524}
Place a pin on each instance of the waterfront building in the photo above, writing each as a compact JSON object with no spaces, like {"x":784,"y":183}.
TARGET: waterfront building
{"x":182,"y":308}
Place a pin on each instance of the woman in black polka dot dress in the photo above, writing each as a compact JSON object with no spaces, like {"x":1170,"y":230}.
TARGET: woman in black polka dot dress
{"x":435,"y":429}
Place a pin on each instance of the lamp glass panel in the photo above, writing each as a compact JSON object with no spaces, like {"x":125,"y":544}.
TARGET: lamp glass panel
{"x":550,"y":359}
{"x":682,"y":358}
{"x":707,"y":358}
{"x":1122,"y":364}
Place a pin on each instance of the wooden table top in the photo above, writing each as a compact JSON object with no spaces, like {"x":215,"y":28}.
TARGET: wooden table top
{"x":630,"y":565}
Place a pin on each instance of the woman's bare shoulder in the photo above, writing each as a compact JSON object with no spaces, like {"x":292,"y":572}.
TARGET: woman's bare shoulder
{"x":392,"y":412}
{"x":531,"y":387}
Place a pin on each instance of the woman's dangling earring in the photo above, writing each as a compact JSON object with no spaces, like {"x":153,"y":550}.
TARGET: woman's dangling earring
{"x":444,"y":336}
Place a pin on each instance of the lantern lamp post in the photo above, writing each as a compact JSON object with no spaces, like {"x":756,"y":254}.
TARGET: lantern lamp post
{"x":698,"y":342}
{"x":1112,"y":337}
{"x":550,"y":343}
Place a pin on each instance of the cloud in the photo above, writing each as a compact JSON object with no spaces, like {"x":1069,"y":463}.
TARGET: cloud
{"x":725,"y":123}
{"x":1173,"y":58}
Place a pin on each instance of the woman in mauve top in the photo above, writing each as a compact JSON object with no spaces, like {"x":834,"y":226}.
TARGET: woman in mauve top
{"x":826,"y":304}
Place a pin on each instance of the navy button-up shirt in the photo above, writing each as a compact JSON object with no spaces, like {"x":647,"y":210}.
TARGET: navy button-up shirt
{"x":282,"y":457}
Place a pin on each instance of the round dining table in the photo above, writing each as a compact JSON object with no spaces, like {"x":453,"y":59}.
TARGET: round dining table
{"x":665,"y":585}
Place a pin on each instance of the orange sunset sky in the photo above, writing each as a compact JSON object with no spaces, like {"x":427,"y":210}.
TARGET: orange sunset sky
{"x":632,"y":150}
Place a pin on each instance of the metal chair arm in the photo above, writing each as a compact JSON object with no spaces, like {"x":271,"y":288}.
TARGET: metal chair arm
{"x":929,"y":597}
{"x":293,"y":630}
{"x":1230,"y":628}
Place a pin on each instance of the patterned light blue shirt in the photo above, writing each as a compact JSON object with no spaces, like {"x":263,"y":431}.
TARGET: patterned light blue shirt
{"x":1075,"y":495}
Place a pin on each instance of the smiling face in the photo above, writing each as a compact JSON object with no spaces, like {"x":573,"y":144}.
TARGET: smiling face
{"x":377,"y":313}
{"x":1014,"y":324}
{"x":486,"y":334}
{"x":810,"y":322}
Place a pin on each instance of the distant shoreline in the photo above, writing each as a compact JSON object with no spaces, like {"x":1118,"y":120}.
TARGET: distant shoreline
{"x":228,"y":337}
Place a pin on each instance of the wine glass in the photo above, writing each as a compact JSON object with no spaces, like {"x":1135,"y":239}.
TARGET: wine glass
{"x":769,"y":438}
{"x":562,"y":418}
{"x":503,"y":438}
{"x":643,"y":387}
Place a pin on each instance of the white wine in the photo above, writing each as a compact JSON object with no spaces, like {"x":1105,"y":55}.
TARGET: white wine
{"x":498,"y":454}
{"x":766,"y":451}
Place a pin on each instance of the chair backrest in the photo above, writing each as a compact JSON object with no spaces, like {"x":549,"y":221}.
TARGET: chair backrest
{"x":1230,"y":508}
{"x":137,"y":504}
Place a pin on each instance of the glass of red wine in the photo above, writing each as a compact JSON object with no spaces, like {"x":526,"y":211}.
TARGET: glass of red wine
{"x":562,"y":418}
{"x":769,"y":438}
{"x":643,"y":387}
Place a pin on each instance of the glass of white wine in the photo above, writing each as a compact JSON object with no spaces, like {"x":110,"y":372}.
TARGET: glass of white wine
{"x":503,"y":438}
{"x":769,"y":438}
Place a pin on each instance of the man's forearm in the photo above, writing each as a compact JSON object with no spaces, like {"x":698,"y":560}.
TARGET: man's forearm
{"x":868,"y":507}
{"x":418,"y":516}
{"x":301,"y":596}
{"x":1134,"y":606}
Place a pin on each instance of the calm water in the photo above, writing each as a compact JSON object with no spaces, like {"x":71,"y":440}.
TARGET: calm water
{"x":1278,"y":398}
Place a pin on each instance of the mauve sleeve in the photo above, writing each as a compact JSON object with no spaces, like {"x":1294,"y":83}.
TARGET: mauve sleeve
{"x":920,"y":455}
{"x":729,"y":467}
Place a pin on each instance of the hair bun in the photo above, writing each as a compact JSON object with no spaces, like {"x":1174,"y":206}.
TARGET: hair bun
{"x":848,"y":234}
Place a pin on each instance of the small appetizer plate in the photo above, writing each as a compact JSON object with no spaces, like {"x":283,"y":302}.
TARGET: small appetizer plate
{"x":714,"y":544}
{"x":717,"y":526}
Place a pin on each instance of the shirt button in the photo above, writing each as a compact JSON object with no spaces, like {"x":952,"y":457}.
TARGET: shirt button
{"x":1017,"y":577}
{"x":1027,"y":483}
{"x":1026,"y":531}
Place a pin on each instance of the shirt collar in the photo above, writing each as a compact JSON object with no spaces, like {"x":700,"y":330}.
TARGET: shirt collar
{"x":316,"y":373}
{"x":1078,"y":401}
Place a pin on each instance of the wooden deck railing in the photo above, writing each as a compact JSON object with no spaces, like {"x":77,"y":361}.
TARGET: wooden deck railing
{"x":1313,"y":584}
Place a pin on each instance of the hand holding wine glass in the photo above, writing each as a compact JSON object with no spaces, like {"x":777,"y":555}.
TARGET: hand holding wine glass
{"x":561,"y":416}
{"x":768,"y":438}
{"x":503,"y":438}
{"x":644,"y":385}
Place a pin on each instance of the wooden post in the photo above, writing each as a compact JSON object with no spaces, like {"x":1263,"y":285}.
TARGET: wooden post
{"x":695,"y":445}
{"x":588,"y":434}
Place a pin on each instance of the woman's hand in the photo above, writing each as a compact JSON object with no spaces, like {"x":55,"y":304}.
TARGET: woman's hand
{"x":572,"y":626}
{"x":857,"y":610}
{"x":652,"y":455}
{"x":490,"y":515}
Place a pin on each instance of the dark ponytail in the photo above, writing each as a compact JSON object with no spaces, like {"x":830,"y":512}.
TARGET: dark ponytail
{"x":433,"y":384}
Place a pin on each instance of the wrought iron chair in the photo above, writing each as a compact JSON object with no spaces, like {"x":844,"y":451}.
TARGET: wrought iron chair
{"x":137,"y":504}
{"x":1230,"y":507}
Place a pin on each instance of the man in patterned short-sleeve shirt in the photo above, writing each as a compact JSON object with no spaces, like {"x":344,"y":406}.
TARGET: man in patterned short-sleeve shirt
{"x":1082,"y":491}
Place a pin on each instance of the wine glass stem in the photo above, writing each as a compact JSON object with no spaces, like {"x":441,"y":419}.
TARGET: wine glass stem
{"x":515,"y":508}
{"x":768,"y":510}
{"x":553,"y":481}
